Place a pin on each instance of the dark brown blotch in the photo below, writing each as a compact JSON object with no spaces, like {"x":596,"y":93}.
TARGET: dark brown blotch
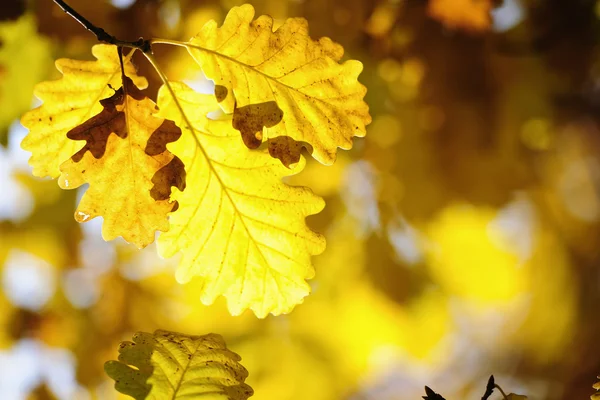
{"x":286,"y":149}
{"x":220,"y":93}
{"x":96,"y":130}
{"x":251,"y":119}
{"x":172,"y":174}
{"x":167,"y":132}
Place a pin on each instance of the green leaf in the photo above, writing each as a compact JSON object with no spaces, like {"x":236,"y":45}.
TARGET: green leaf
{"x":169,"y":365}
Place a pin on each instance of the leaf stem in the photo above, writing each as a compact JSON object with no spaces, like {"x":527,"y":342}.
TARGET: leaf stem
{"x":169,"y":41}
{"x":165,"y":81}
{"x":501,"y":391}
{"x":103,"y":36}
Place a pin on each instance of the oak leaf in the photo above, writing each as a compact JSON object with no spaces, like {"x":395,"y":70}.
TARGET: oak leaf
{"x":320,"y":101}
{"x":128,"y":167}
{"x":596,"y":396}
{"x":169,"y":365}
{"x":67,"y":103}
{"x":241,"y":230}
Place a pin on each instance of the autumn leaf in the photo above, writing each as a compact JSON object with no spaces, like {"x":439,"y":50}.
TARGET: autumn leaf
{"x":513,"y":396}
{"x":596,"y":396}
{"x":24,"y":61}
{"x":169,"y":365}
{"x":128,"y":167}
{"x":68,"y":102}
{"x":320,"y":102}
{"x":240,"y":228}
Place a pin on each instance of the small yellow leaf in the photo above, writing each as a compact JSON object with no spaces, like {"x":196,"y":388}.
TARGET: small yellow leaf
{"x":169,"y":365}
{"x":320,"y":102}
{"x":127,"y":164}
{"x":513,"y":396}
{"x":242,"y":231}
{"x":68,"y":102}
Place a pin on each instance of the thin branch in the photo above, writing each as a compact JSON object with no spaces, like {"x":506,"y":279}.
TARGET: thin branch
{"x":102,"y":36}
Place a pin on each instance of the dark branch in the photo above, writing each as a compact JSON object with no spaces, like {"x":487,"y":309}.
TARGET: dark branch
{"x":101,"y":34}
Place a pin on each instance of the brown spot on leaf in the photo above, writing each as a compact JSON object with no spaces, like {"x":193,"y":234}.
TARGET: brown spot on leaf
{"x":167,"y":132}
{"x":172,"y":174}
{"x":96,"y":130}
{"x":251,"y":119}
{"x":286,"y":149}
{"x":220,"y":93}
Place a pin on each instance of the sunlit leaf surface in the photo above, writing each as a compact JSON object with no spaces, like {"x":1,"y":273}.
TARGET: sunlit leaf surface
{"x":69,"y":102}
{"x":240,"y":228}
{"x":127,"y":164}
{"x":169,"y":365}
{"x":319,"y":101}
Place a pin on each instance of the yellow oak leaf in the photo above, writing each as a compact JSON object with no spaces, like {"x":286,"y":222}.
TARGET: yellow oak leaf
{"x":126,"y":162}
{"x":241,"y":230}
{"x":596,"y":396}
{"x":319,"y":101}
{"x":24,"y":61}
{"x":169,"y":365}
{"x":68,"y":102}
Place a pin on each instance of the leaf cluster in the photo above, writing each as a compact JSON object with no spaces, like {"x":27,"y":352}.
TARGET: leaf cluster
{"x":209,"y":184}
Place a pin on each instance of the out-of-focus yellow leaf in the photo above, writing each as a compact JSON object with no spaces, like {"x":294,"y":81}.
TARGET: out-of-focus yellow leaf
{"x":513,"y":396}
{"x":169,"y":365}
{"x":470,"y":15}
{"x":68,"y":102}
{"x":126,"y":162}
{"x":24,"y":61}
{"x":240,"y":228}
{"x":319,"y":102}
{"x":596,"y":396}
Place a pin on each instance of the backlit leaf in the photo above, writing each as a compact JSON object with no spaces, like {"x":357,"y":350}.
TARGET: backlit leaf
{"x":596,"y":396}
{"x":242,"y":231}
{"x":169,"y":365}
{"x":128,"y":167}
{"x":319,"y":101}
{"x":68,"y":102}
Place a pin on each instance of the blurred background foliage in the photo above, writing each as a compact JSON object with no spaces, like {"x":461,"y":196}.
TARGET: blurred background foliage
{"x":463,"y":232}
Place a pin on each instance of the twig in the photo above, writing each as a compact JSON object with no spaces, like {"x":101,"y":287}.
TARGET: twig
{"x":102,"y":36}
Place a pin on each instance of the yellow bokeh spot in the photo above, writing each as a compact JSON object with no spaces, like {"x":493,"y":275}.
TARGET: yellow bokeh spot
{"x":385,"y":130}
{"x":467,"y":258}
{"x":535,"y":134}
{"x":389,"y":70}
